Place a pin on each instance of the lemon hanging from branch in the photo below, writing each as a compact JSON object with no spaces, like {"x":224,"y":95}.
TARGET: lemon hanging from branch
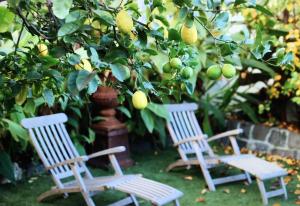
{"x":139,"y":100}
{"x":189,"y":34}
{"x":84,"y":64}
{"x":124,"y":22}
{"x":43,"y":49}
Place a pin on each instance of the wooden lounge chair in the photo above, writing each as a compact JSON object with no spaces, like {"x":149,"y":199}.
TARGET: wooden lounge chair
{"x":58,"y":154}
{"x":194,"y":149}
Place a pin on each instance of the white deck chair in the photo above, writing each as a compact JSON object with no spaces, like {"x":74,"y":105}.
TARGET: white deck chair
{"x":189,"y":140}
{"x":55,"y":148}
{"x":193,"y":146}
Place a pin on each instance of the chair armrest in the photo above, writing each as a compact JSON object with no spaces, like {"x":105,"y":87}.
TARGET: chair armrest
{"x":225,"y":134}
{"x":190,"y":139}
{"x":85,"y":158}
{"x":107,"y":152}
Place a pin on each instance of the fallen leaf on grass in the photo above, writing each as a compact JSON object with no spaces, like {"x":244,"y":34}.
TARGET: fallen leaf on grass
{"x":297,"y":202}
{"x":200,"y":199}
{"x":188,"y":178}
{"x":204,"y":191}
{"x":243,"y":190}
{"x":287,"y":179}
{"x":292,"y":172}
{"x":226,"y":191}
{"x":276,"y":204}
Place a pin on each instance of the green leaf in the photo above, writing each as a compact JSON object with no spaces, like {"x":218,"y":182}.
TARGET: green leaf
{"x":183,"y":13}
{"x":124,"y":110}
{"x":148,"y":119}
{"x":49,"y":97}
{"x":95,"y":58}
{"x":151,"y":51}
{"x":162,"y":19}
{"x":119,"y":71}
{"x":72,"y":87}
{"x":160,"y":110}
{"x":161,"y":129}
{"x":6,"y":166}
{"x":93,"y":84}
{"x":239,"y":2}
{"x":74,"y":59}
{"x":79,"y":148}
{"x":83,"y":79}
{"x":263,"y":10}
{"x":174,"y":35}
{"x":16,"y":130}
{"x":61,"y":8}
{"x":76,"y":15}
{"x":221,"y":20}
{"x":6,"y":19}
{"x":68,"y":28}
{"x":206,"y":123}
{"x":105,"y":17}
{"x":249,"y":111}
{"x":29,"y":107}
{"x":260,"y":65}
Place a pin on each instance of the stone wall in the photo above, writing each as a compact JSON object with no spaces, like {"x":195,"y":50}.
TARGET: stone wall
{"x":267,"y":139}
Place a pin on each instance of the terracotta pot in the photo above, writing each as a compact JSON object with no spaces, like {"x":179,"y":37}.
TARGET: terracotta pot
{"x":106,"y":98}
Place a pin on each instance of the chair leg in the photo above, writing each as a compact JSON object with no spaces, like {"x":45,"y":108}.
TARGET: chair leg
{"x":262,"y":190}
{"x":203,"y":167}
{"x":89,"y":201}
{"x":282,"y":184}
{"x":248,"y":177}
{"x":176,"y":203}
{"x":134,"y":200}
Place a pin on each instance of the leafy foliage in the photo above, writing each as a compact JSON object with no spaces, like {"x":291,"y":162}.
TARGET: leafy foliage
{"x":54,"y":55}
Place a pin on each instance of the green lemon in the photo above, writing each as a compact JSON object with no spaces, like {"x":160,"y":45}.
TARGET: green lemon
{"x":228,"y":71}
{"x":167,"y":68}
{"x":139,"y":100}
{"x":187,"y":72}
{"x":214,"y":72}
{"x":176,"y":63}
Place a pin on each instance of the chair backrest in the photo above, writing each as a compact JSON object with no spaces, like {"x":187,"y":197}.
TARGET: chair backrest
{"x":53,"y":143}
{"x":183,"y":124}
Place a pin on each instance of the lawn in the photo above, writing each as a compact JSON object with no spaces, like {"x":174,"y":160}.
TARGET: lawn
{"x":152,"y":166}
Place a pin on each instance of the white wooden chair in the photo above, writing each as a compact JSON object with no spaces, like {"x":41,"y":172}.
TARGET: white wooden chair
{"x":194,"y":149}
{"x":58,"y":154}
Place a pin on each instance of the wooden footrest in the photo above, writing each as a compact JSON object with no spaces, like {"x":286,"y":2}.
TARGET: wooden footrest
{"x":262,"y":170}
{"x":155,"y":192}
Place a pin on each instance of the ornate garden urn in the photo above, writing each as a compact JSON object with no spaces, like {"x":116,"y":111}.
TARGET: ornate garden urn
{"x":106,"y":99}
{"x":110,"y":132}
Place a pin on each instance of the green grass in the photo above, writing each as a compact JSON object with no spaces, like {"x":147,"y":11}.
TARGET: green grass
{"x":153,"y":167}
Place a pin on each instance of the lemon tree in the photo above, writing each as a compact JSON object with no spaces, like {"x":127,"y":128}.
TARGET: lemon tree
{"x":54,"y":54}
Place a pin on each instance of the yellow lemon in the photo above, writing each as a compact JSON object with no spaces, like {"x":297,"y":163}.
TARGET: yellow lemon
{"x":139,"y":100}
{"x":88,"y":21}
{"x":96,"y":25}
{"x":85,"y":64}
{"x":43,"y":49}
{"x":124,"y":22}
{"x":189,"y":35}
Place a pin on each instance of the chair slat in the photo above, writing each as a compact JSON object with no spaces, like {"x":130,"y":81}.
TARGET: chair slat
{"x":55,"y":152}
{"x":184,"y":129}
{"x":47,"y":150}
{"x":180,"y":130}
{"x":65,"y":142}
